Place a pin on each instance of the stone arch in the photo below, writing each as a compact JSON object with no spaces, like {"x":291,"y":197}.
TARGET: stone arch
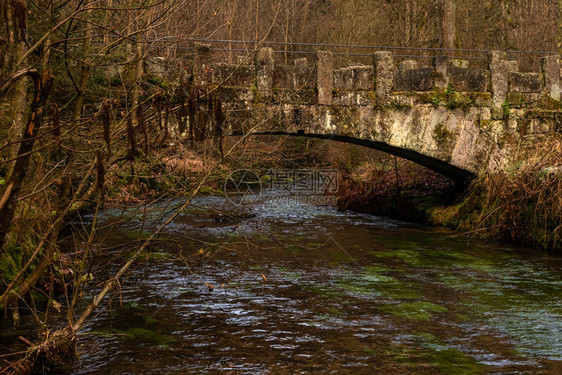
{"x":460,"y":176}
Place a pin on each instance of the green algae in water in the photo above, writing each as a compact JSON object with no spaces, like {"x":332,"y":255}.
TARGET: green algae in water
{"x":371,"y":351}
{"x":133,"y":305}
{"x":424,"y":257}
{"x":309,"y":285}
{"x":320,"y":290}
{"x":338,"y":255}
{"x":526,"y":310}
{"x":335,"y":311}
{"x":136,"y":234}
{"x":150,"y":319}
{"x":429,"y":350}
{"x":445,"y":358}
{"x":295,"y":249}
{"x":289,"y":275}
{"x":151,"y":255}
{"x":373,"y":283}
{"x":140,"y":334}
{"x":380,"y":279}
{"x":398,"y":243}
{"x":483,"y":265}
{"x":359,"y":289}
{"x":150,"y":336}
{"x":414,"y":310}
{"x":314,"y":244}
{"x":383,"y":254}
{"x":375,"y":269}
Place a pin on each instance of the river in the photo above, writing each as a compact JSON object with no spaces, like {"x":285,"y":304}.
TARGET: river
{"x":296,"y":288}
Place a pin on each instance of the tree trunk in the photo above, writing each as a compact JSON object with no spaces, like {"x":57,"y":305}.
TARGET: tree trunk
{"x":16,"y":22}
{"x":447,"y":25}
{"x":10,"y":195}
{"x":84,"y":70}
{"x":559,"y":31}
{"x":136,"y":82}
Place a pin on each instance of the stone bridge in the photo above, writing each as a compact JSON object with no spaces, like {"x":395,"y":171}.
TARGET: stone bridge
{"x":457,"y":120}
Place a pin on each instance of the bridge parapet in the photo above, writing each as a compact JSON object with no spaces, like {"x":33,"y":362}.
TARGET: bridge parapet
{"x":383,"y":78}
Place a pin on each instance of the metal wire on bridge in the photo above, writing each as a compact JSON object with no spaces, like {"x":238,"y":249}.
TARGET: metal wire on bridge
{"x":454,"y":51}
{"x":327,"y":45}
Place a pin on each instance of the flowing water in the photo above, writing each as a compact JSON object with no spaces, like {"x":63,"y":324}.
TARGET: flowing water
{"x":299,"y":288}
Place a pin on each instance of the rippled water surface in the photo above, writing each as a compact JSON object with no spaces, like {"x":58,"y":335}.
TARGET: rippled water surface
{"x":305,"y":289}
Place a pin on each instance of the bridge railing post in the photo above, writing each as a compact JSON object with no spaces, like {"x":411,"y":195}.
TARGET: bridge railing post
{"x":264,"y":73}
{"x":498,"y":82}
{"x":384,"y":75}
{"x":550,"y":67}
{"x":441,"y":72}
{"x":201,"y":64}
{"x":325,"y":76}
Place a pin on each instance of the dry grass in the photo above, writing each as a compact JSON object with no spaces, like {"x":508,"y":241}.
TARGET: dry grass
{"x":388,"y":189}
{"x":522,"y":205}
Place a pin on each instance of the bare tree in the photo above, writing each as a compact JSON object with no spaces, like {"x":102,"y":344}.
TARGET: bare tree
{"x":447,"y":24}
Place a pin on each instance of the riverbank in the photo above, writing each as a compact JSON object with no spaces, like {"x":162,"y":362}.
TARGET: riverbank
{"x":521,"y":204}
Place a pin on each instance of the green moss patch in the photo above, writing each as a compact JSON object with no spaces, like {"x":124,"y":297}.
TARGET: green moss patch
{"x":445,"y":358}
{"x":138,"y":334}
{"x":415,"y":310}
{"x":373,"y":283}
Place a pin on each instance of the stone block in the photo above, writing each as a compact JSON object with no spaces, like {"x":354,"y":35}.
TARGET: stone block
{"x":231,"y":94}
{"x":284,"y":76}
{"x":469,"y":80}
{"x":441,"y":72}
{"x":384,"y":75}
{"x":525,"y":82}
{"x":305,"y":78}
{"x":324,"y":76}
{"x":264,"y":73}
{"x":413,"y":80}
{"x":156,"y":66}
{"x":550,"y":67}
{"x":354,"y":78}
{"x":498,"y":82}
{"x":201,"y":63}
{"x":522,"y":100}
{"x":408,"y":65}
{"x":234,"y":75}
{"x":290,"y":96}
{"x":351,"y":98}
{"x":512,"y":65}
{"x":301,"y":63}
{"x":481,"y":99}
{"x":458,"y":63}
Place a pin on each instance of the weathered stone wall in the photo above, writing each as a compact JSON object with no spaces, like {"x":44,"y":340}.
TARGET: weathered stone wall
{"x":449,"y":116}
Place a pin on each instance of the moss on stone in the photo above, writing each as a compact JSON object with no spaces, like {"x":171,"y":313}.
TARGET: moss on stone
{"x":255,"y":93}
{"x":549,"y":103}
{"x":426,"y":96}
{"x":392,"y":105}
{"x":441,"y":134}
{"x":483,"y":124}
{"x":459,"y":100}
